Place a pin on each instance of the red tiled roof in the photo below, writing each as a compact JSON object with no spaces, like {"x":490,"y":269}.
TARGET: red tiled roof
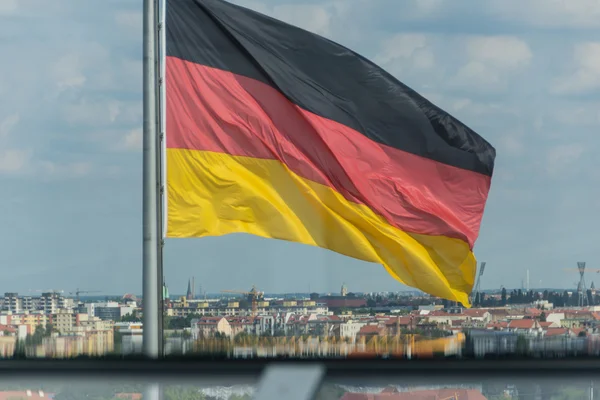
{"x":438,"y":314}
{"x":401,"y":320}
{"x":475,"y":312}
{"x":533,"y":311}
{"x":497,"y":324}
{"x":556,"y":331}
{"x":522,"y":324}
{"x":369,"y":329}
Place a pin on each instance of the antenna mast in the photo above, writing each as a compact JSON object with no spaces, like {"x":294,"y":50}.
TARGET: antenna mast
{"x":581,"y":288}
{"x":476,"y":296}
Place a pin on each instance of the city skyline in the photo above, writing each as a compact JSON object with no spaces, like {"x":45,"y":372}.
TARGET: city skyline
{"x":524,"y":77}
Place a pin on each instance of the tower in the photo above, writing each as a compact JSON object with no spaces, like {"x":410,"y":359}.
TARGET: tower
{"x":476,"y":295}
{"x":188,"y":295}
{"x":581,"y":289}
{"x":165,"y":290}
{"x":344,"y":290}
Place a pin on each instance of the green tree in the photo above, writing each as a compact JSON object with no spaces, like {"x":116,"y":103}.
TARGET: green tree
{"x":133,"y":317}
{"x":49,"y":330}
{"x":543,"y":317}
{"x":36,"y":338}
{"x":118,"y":342}
{"x":167,"y":322}
{"x":522,"y":345}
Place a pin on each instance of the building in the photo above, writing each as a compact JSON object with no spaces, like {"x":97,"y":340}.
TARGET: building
{"x":210,"y":327}
{"x":63,"y":321}
{"x":12,"y":303}
{"x":51,"y":302}
{"x":108,"y":312}
{"x":342,"y":301}
{"x":131,"y":336}
{"x":350,"y":329}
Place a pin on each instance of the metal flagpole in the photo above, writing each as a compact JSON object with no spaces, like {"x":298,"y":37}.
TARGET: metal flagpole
{"x":150,"y":184}
{"x":160,"y":123}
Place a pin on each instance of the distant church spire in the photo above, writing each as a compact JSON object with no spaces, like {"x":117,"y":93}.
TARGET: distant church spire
{"x":189,"y":290}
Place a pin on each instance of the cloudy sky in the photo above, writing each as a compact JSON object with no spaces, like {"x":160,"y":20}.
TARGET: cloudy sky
{"x":525,"y":74}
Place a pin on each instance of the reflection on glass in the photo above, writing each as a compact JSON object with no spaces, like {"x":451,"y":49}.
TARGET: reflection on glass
{"x":245,"y":324}
{"x":461,"y":389}
{"x":102,"y":390}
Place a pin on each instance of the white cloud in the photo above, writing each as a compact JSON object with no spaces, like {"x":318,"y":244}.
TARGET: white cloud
{"x":313,"y":18}
{"x":8,"y":7}
{"x":560,"y":158}
{"x":427,"y":7}
{"x":511,"y":143}
{"x":586,"y":75}
{"x":405,"y":51}
{"x":13,"y":161}
{"x":132,"y":140}
{"x":104,"y":112}
{"x":253,"y":5}
{"x":130,"y":20}
{"x":549,"y":13}
{"x":51,"y":169}
{"x":8,"y":124}
{"x":502,"y":52}
{"x":581,"y":115}
{"x":491,"y":60}
{"x":67,"y":72}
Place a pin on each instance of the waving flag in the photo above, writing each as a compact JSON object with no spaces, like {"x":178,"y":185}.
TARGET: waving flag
{"x":281,"y":133}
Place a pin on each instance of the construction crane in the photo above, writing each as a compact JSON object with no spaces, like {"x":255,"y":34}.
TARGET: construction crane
{"x":254,"y":294}
{"x":78,"y":292}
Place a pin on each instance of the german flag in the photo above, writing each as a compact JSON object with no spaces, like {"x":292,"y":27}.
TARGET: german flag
{"x":280,"y":133}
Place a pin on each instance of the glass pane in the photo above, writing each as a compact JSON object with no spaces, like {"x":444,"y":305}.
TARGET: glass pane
{"x":524,"y":75}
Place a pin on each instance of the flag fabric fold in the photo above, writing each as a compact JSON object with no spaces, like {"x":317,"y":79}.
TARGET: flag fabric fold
{"x":280,"y":133}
